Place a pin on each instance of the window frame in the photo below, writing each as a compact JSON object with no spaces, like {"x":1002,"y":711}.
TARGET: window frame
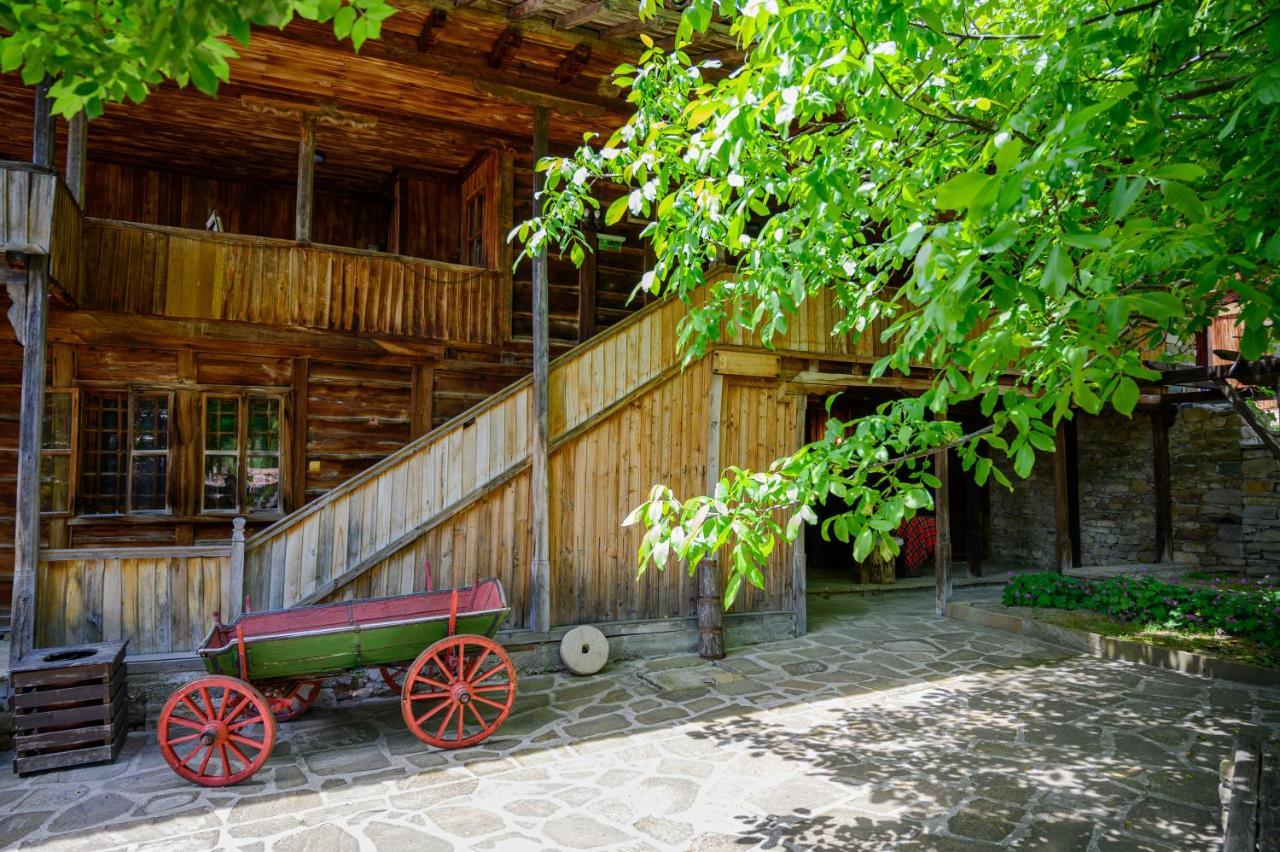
{"x":242,"y":451}
{"x":132,"y":395}
{"x":71,"y":452}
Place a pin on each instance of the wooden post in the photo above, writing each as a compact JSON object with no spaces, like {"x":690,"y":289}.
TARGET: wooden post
{"x":298,"y":437}
{"x":43,"y":132}
{"x":587,"y":288}
{"x":506,"y":213}
{"x":942,"y":547}
{"x":710,"y":603}
{"x":1160,"y":418}
{"x":26,"y":536}
{"x":422,"y":400}
{"x":235,"y":606}
{"x":1063,"y":561}
{"x":799,"y":560}
{"x":77,"y":152}
{"x":975,"y":524}
{"x":306,"y":178}
{"x":539,"y":480}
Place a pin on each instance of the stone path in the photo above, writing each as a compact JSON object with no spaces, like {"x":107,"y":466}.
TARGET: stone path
{"x":884,"y":728}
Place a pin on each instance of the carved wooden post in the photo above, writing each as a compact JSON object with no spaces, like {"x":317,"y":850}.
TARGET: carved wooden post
{"x":77,"y":152}
{"x":942,"y":546}
{"x":710,"y":605}
{"x":235,"y":606}
{"x":306,"y":178}
{"x":539,"y":480}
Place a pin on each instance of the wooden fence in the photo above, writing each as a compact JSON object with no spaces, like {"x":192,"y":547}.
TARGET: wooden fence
{"x":145,"y":269}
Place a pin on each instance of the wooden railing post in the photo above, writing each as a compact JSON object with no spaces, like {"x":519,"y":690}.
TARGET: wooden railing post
{"x":235,"y":606}
{"x":710,"y":603}
{"x":77,"y":146}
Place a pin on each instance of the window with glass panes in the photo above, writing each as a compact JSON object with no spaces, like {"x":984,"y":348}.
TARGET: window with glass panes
{"x":55,"y":452}
{"x":124,"y":452}
{"x":241,"y":454}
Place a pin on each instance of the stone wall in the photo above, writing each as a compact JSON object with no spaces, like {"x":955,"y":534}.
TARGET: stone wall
{"x":1117,"y":496}
{"x":1022,"y":523}
{"x":1226,"y":493}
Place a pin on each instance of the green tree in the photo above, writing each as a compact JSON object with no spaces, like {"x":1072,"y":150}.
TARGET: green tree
{"x":104,"y":51}
{"x":1029,"y":193}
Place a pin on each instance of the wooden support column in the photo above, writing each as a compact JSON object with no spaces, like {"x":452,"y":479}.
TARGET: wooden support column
{"x":1160,"y":422}
{"x":506,"y":214}
{"x":306,"y":178}
{"x":975,"y":520}
{"x":799,"y":560}
{"x":539,"y":480}
{"x":710,"y":603}
{"x":43,"y":131}
{"x":422,"y":403}
{"x":26,"y":537}
{"x":1062,"y":462}
{"x":235,"y":606}
{"x":942,"y":547}
{"x":77,"y":152}
{"x":587,"y":288}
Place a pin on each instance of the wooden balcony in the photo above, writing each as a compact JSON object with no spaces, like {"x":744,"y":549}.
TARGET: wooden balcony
{"x":174,"y":272}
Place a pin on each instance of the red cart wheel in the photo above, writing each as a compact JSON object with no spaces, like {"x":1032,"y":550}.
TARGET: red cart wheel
{"x":216,"y":731}
{"x":289,"y":699}
{"x":393,"y":676}
{"x":458,"y":691}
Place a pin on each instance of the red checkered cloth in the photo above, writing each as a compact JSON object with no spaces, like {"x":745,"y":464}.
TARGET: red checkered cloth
{"x":919,"y":538}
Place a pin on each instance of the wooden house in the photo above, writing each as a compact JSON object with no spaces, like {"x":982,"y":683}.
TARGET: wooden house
{"x":294,"y":304}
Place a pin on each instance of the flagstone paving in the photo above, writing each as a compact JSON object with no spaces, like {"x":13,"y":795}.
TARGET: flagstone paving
{"x":883,"y":728}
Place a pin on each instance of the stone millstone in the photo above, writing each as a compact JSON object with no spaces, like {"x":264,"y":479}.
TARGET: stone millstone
{"x":584,"y":650}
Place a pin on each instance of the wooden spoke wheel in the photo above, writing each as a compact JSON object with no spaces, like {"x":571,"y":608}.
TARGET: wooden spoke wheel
{"x":289,"y":699}
{"x":458,"y":692}
{"x":393,"y":676}
{"x":216,"y":731}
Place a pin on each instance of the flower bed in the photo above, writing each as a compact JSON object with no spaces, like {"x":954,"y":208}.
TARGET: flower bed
{"x":1251,"y":613}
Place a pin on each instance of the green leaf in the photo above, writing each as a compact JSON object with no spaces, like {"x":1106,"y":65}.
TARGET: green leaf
{"x":1125,"y":397}
{"x":1178,"y":171}
{"x":862,"y":545}
{"x":1126,"y":192}
{"x":1183,"y":199}
{"x":615,"y":210}
{"x":962,"y":190}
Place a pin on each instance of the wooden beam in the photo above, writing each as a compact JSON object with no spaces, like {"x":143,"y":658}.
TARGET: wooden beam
{"x":306,"y":179}
{"x":556,"y":103}
{"x":942,"y":546}
{"x":1261,"y":370}
{"x":1160,"y":421}
{"x":77,"y":148}
{"x":26,"y":538}
{"x":1268,"y":438}
{"x":587,"y":289}
{"x":1062,"y":500}
{"x":43,"y":131}
{"x":710,"y":603}
{"x":504,"y":48}
{"x":573,"y":64}
{"x":429,"y":35}
{"x":539,"y":482}
{"x":525,"y":8}
{"x":582,"y":14}
{"x":799,"y":560}
{"x":629,"y":28}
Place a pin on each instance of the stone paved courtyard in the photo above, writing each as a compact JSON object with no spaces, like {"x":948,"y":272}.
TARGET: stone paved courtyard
{"x":884,"y":728}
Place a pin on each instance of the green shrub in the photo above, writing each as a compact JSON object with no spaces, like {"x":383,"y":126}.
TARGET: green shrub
{"x":1252,"y":613}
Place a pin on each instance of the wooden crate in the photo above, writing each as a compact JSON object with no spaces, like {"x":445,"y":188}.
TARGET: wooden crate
{"x":68,"y":706}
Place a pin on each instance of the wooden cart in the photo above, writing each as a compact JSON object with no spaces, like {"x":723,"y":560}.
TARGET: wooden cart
{"x":267,"y":667}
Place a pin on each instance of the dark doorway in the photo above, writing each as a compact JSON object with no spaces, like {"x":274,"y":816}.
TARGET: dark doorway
{"x":830,"y":566}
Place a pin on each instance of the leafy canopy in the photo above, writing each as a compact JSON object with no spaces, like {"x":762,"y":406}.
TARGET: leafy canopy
{"x":104,"y":51}
{"x":1029,"y":194}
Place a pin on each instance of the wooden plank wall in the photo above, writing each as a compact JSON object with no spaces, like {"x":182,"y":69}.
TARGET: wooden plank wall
{"x":65,"y":252}
{"x":160,"y":601}
{"x":26,"y":208}
{"x":177,"y":273}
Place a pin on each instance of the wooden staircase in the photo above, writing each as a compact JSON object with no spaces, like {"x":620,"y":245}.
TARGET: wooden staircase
{"x":319,"y":552}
